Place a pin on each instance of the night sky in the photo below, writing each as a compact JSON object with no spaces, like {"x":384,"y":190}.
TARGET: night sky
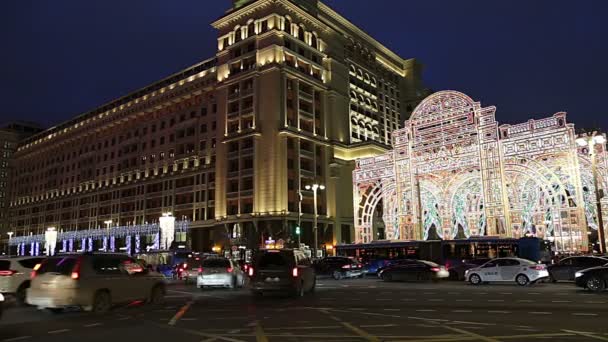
{"x":528,"y":58}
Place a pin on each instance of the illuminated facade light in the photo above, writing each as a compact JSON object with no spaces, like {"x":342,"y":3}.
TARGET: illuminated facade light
{"x":455,"y":173}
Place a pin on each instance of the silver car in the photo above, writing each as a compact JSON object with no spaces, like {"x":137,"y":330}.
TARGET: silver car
{"x":520,"y":271}
{"x":93,"y":282}
{"x":220,"y":272}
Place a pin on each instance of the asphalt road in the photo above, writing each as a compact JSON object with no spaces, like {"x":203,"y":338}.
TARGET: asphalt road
{"x":347,"y":310}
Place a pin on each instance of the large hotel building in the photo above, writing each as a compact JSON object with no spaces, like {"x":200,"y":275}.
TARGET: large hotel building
{"x":294,"y":93}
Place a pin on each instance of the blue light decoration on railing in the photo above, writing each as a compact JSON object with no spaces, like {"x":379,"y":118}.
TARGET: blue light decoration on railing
{"x":128,"y":244}
{"x":89,"y":235}
{"x":112,"y":244}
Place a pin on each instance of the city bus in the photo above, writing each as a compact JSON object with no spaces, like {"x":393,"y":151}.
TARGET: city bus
{"x":447,"y":252}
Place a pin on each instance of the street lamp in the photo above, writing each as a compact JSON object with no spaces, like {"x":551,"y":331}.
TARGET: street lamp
{"x":10,"y":236}
{"x":591,"y":141}
{"x":108,"y":223}
{"x":314,"y":188}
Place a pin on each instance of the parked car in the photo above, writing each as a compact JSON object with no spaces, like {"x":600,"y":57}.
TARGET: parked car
{"x":521,"y":271}
{"x":338,"y":267}
{"x":565,"y":269}
{"x":414,"y":270}
{"x":219,"y":272}
{"x":191,"y":269}
{"x":282,"y":270}
{"x":395,"y":262}
{"x":93,"y":282}
{"x":15,"y":276}
{"x":594,"y":279}
{"x":457,"y":271}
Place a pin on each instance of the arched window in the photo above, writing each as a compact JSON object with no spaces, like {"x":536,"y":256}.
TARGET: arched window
{"x":353,"y":69}
{"x":313,"y":41}
{"x":287,"y":25}
{"x":301,"y":31}
{"x":251,"y":29}
{"x":237,"y":34}
{"x":353,"y":120}
{"x":353,"y":95}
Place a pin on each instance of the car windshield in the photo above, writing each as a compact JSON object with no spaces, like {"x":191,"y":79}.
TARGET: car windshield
{"x":272,"y":260}
{"x":215,"y":263}
{"x":63,"y":265}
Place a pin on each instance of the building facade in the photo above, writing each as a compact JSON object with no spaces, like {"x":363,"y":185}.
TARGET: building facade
{"x":10,"y":136}
{"x":294,"y":94}
{"x":455,"y":173}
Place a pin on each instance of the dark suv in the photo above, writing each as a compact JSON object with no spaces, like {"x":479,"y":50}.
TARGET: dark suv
{"x":281,"y":270}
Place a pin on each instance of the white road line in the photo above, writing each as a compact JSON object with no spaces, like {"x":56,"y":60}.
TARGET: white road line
{"x":408,"y":300}
{"x":426,"y":310}
{"x":584,"y":314}
{"x":533,"y":293}
{"x":482,"y":293}
{"x":357,"y":309}
{"x":539,"y":312}
{"x":435,"y":300}
{"x":378,"y":326}
{"x":499,"y":311}
{"x":561,"y":301}
{"x":391,"y":309}
{"x":594,"y":302}
{"x":429,"y":293}
{"x":464,"y":300}
{"x":58,"y":331}
{"x":92,"y":325}
{"x":20,"y":338}
{"x":506,"y":293}
{"x":462,"y":310}
{"x":453,"y":293}
{"x":496,"y":300}
{"x":524,"y":301}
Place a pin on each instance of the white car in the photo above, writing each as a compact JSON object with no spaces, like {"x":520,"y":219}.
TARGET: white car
{"x":521,"y":271}
{"x":1,"y":304}
{"x":15,"y":276}
{"x":220,"y":272}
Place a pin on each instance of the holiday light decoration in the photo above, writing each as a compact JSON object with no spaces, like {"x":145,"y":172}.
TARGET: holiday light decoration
{"x":455,"y":173}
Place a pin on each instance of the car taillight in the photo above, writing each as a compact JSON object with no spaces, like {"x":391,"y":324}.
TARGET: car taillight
{"x":245,"y":267}
{"x":539,"y":267}
{"x":229,"y":269}
{"x":250,"y":271}
{"x":435,"y":269}
{"x":7,"y":273}
{"x":34,"y":270}
{"x":294,"y":272}
{"x":76,"y":269}
{"x":346,"y":266}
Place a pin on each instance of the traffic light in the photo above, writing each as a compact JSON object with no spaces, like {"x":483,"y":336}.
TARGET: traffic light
{"x":297,"y":230}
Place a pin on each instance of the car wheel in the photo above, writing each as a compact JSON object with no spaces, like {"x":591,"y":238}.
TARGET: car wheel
{"x":522,"y":280}
{"x":21,"y":293}
{"x":552,"y":279}
{"x":233,"y":284}
{"x":55,"y":311}
{"x":202,"y":288}
{"x":157,"y":296}
{"x":337,"y":275}
{"x":299,"y":291}
{"x":387,"y":277}
{"x":102,"y":302}
{"x":475,"y":279}
{"x":595,"y":284}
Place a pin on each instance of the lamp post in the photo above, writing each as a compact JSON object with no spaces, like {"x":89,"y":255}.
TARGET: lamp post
{"x":314,"y":188}
{"x":298,"y":229}
{"x":10,"y":236}
{"x":591,"y":141}
{"x":108,"y":223}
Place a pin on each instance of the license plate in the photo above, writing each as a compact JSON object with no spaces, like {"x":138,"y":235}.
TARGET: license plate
{"x":272,"y":280}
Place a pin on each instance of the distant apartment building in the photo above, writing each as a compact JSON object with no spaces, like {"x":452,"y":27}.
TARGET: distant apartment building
{"x":10,"y":135}
{"x":293,"y":95}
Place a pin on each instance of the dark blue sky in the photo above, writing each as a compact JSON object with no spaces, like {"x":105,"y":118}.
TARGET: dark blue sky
{"x":529,"y":58}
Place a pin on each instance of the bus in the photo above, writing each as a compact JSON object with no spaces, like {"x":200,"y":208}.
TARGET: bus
{"x":446,"y":252}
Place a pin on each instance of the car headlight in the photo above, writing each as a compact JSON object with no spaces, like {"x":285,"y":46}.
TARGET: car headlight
{"x":1,"y":298}
{"x":578,"y":274}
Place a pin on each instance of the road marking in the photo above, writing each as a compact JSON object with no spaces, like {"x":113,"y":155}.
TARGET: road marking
{"x":92,"y":325}
{"x":305,"y":328}
{"x":189,"y":319}
{"x":327,"y":298}
{"x":58,"y":331}
{"x":482,"y":293}
{"x":435,"y":300}
{"x":533,"y":293}
{"x":20,"y":338}
{"x":462,"y":310}
{"x":426,"y":310}
{"x":378,"y":325}
{"x":357,"y":309}
{"x":539,"y":312}
{"x":594,"y":302}
{"x":453,"y":293}
{"x":260,"y":336}
{"x":561,"y":301}
{"x":584,"y":314}
{"x":429,"y":293}
{"x":471,"y":334}
{"x":496,"y":300}
{"x":524,"y":301}
{"x":392,"y":309}
{"x":180,"y":313}
{"x":464,"y":300}
{"x":361,"y":332}
{"x":586,"y":334}
{"x":506,"y":293}
{"x":473,"y":323}
{"x":383,"y":299}
{"x":499,"y":311}
{"x":408,"y":300}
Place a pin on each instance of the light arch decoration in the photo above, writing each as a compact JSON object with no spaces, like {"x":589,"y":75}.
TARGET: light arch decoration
{"x":455,"y":169}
